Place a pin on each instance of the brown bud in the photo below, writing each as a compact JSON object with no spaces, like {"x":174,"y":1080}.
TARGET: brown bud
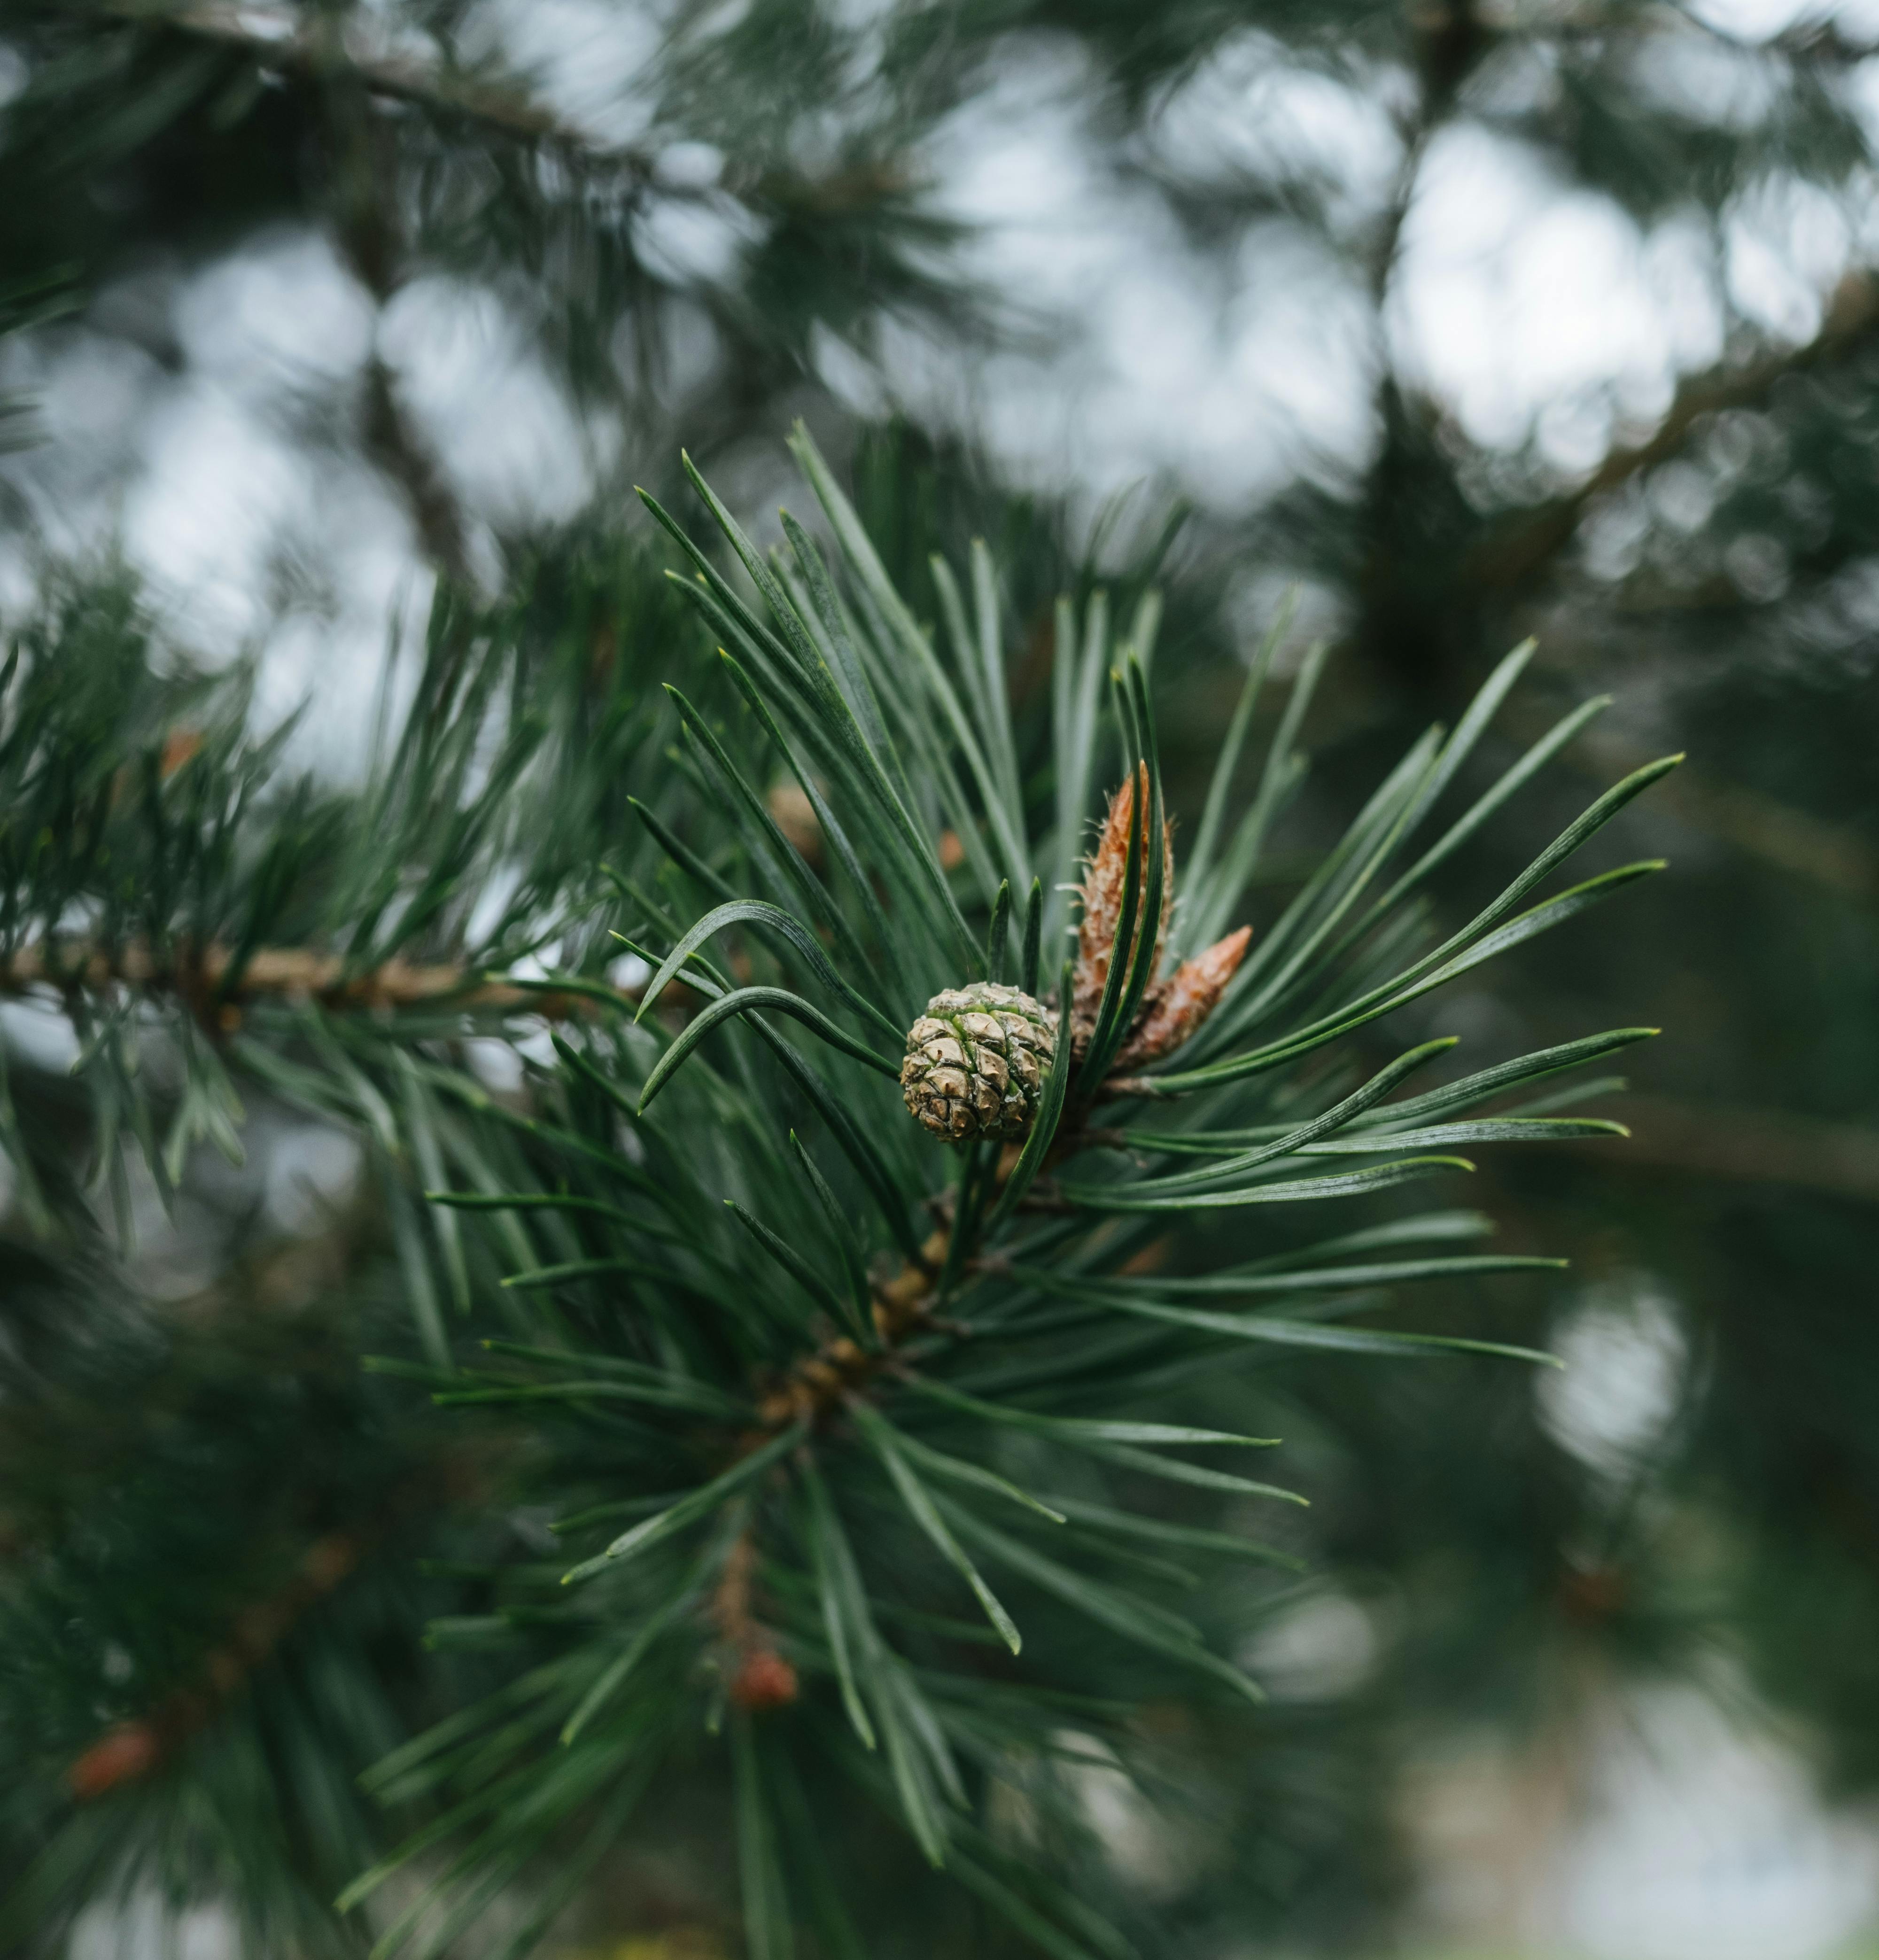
{"x":1105,"y":877}
{"x":1182,"y":1001}
{"x":763,"y":1680}
{"x":120,"y":1755}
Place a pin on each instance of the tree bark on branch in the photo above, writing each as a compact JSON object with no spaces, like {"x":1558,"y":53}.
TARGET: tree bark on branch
{"x":209,"y":982}
{"x":317,"y":54}
{"x":1751,"y":1146}
{"x":1516,"y":554}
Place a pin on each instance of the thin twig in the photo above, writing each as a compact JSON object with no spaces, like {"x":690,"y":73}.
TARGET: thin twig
{"x":1755,"y":1146}
{"x":133,"y":1749}
{"x":309,"y":54}
{"x":1796,"y":841}
{"x":1515,"y":554}
{"x":1447,"y":41}
{"x":208,"y":981}
{"x":393,"y":442}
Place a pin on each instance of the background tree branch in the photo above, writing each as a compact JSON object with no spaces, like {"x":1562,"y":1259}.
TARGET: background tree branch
{"x":1517,"y":553}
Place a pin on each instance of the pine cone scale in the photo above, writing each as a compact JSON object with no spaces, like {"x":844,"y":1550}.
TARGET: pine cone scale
{"x":976,"y":1060}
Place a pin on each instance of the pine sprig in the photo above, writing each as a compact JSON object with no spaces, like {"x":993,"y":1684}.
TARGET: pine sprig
{"x":862,"y":1476}
{"x":858,"y":1446}
{"x":166,"y":881}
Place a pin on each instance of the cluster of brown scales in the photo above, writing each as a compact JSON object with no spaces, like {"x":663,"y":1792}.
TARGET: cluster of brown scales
{"x":977,"y":1058}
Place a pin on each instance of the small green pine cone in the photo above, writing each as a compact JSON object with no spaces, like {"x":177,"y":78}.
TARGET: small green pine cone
{"x":976,"y":1062}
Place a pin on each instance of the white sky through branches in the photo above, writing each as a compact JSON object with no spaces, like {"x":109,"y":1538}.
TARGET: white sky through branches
{"x":1536,"y":313}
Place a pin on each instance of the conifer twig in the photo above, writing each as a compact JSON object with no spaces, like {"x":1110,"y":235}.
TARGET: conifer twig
{"x":132,"y":1749}
{"x":1796,"y":841}
{"x":315,"y":55}
{"x":1512,"y":556}
{"x":204,"y":980}
{"x":1753,"y":1146}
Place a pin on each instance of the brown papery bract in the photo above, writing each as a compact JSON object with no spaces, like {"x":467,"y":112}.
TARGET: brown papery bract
{"x":1180,"y":1003}
{"x":1105,"y":877}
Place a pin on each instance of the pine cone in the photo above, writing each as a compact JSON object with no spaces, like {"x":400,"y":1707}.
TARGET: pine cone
{"x":976,"y":1060}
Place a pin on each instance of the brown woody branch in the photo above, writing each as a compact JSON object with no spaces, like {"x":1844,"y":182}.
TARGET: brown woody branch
{"x":1754,"y":1145}
{"x":395,"y":443}
{"x":1516,"y":553}
{"x":134,"y":1749}
{"x":1794,"y":842}
{"x":315,"y":54}
{"x":216,"y":989}
{"x":815,"y":1389}
{"x":757,"y":1677}
{"x":817,"y":1385}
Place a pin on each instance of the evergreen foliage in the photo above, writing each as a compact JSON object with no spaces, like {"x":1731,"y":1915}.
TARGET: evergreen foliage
{"x":802,"y":1391}
{"x":221,"y":948}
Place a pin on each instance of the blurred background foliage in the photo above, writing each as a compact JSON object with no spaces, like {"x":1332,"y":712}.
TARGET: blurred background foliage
{"x":1464,"y":319}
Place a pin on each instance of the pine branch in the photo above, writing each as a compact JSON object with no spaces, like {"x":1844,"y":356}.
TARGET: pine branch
{"x":313,"y":53}
{"x":395,"y":443}
{"x":134,"y":1749}
{"x":370,"y":235}
{"x":1822,"y":40}
{"x":215,"y":988}
{"x":1518,"y":552}
{"x":768,"y":1417}
{"x":1794,"y":842}
{"x":813,"y":1389}
{"x":1754,"y":1145}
